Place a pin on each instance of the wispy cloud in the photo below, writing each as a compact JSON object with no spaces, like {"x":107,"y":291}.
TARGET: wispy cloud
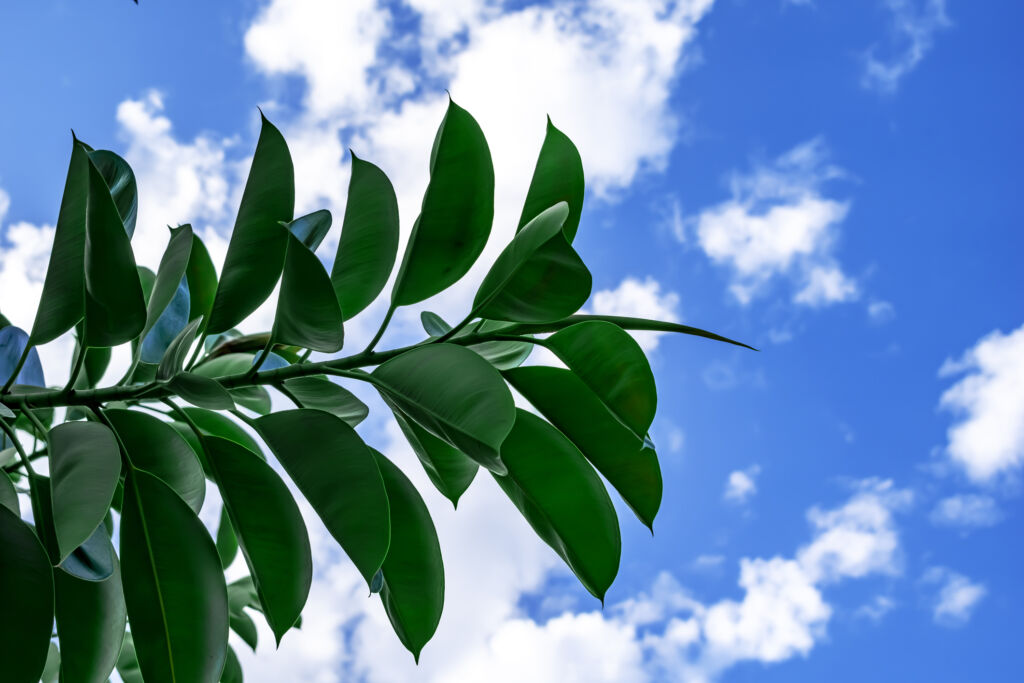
{"x":741,"y":485}
{"x":914,"y":26}
{"x":957,"y":597}
{"x":966,"y":510}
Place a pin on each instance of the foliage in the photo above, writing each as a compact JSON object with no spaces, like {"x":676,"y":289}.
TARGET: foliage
{"x":194,"y":410}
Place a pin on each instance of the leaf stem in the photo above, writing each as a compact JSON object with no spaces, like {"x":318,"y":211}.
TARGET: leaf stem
{"x":380,"y":330}
{"x":455,"y":330}
{"x":75,"y":371}
{"x":9,"y":431}
{"x":17,"y":369}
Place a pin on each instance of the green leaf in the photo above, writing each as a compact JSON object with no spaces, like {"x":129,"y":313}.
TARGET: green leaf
{"x":128,"y":662}
{"x":270,"y":530}
{"x":62,"y":303}
{"x":453,"y":394}
{"x":500,"y":354}
{"x":201,"y":391}
{"x":94,"y":559}
{"x":337,"y":474}
{"x":538,"y":277}
{"x":27,"y":582}
{"x":232,"y":669}
{"x":311,"y":228}
{"x":9,"y":495}
{"x":169,"y":279}
{"x":85,"y":465}
{"x":201,"y":277}
{"x":627,"y":323}
{"x":42,"y":515}
{"x":323,"y":394}
{"x":455,"y":218}
{"x":177,"y":351}
{"x":173,"y":585}
{"x":613,"y":365}
{"x":369,"y":239}
{"x":255,"y":254}
{"x":449,"y":470}
{"x":558,"y":177}
{"x":120,"y":181}
{"x":563,"y":499}
{"x":227,"y":542}
{"x":253,"y":397}
{"x":215,"y":424}
{"x":245,"y":627}
{"x":154,"y":446}
{"x":308,"y":313}
{"x":413,"y":590}
{"x":433,"y":324}
{"x":115,"y":310}
{"x":612,"y":448}
{"x":90,"y":624}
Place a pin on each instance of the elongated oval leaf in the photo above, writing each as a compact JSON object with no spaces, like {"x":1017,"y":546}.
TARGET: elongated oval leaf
{"x":613,"y":365}
{"x":610,"y":446}
{"x":201,"y":391}
{"x":156,"y":447}
{"x":93,"y":560}
{"x":177,"y":351}
{"x":450,"y":471}
{"x":255,"y":254}
{"x":202,"y":279}
{"x":433,"y":324}
{"x":227,"y":542}
{"x":563,"y":499}
{"x":169,"y":290}
{"x":242,"y":624}
{"x":85,"y":465}
{"x":115,"y":309}
{"x":128,"y":661}
{"x":90,"y":624}
{"x":13,"y":341}
{"x":413,"y":573}
{"x":120,"y":180}
{"x":455,"y":395}
{"x":323,"y":394}
{"x":337,"y":474}
{"x":270,"y":530}
{"x":458,"y":207}
{"x":173,"y":585}
{"x":558,"y":177}
{"x":369,"y":239}
{"x":311,"y":228}
{"x":308,"y":314}
{"x":27,"y":582}
{"x":253,"y":397}
{"x":538,"y":277}
{"x":215,"y":424}
{"x":167,"y":327}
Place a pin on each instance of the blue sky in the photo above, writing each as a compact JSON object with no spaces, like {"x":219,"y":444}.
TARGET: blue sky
{"x":833,"y":182}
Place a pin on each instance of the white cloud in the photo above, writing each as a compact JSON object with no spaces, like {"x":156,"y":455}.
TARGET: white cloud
{"x":914,"y":25}
{"x":881,"y":312}
{"x":876,"y":609}
{"x":957,"y":598}
{"x":741,"y":485}
{"x":639,"y":299}
{"x":988,"y":438}
{"x":779,"y":223}
{"x":966,"y":510}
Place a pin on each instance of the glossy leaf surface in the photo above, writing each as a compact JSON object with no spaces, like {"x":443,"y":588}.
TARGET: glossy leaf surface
{"x":201,"y":391}
{"x":120,"y":181}
{"x":323,"y":394}
{"x":90,"y":624}
{"x":308,"y":314}
{"x":311,"y":228}
{"x":558,"y":177}
{"x":449,"y":470}
{"x":202,"y":279}
{"x":167,"y":311}
{"x":177,"y":351}
{"x":13,"y":341}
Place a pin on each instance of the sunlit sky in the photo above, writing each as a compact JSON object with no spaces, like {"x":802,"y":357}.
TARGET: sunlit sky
{"x":835,"y":183}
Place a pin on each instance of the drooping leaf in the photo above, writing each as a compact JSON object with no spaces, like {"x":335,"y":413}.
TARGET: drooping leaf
{"x":27,"y":582}
{"x":337,"y":474}
{"x":323,"y":394}
{"x":563,"y":499}
{"x":413,"y":573}
{"x":91,"y":618}
{"x":85,"y":465}
{"x":453,"y":394}
{"x":609,"y":361}
{"x":369,"y":239}
{"x":120,"y":181}
{"x":93,"y":560}
{"x":156,"y":447}
{"x":201,"y":391}
{"x":227,"y":542}
{"x":455,"y":218}
{"x":167,"y":309}
{"x":538,"y":277}
{"x":115,"y":309}
{"x":558,"y":177}
{"x":308,"y":314}
{"x":242,"y":624}
{"x":232,"y":669}
{"x":610,"y":446}
{"x":215,"y":424}
{"x":202,"y":279}
{"x":255,"y":254}
{"x":270,"y":530}
{"x":311,"y":228}
{"x":13,"y":341}
{"x":177,"y":351}
{"x":128,"y":662}
{"x":173,"y":585}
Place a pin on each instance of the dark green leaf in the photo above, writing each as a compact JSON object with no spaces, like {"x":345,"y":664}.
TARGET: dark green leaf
{"x":156,"y":447}
{"x":215,"y":424}
{"x":9,"y":495}
{"x":227,"y":542}
{"x":173,"y":585}
{"x":167,"y":311}
{"x":377,"y":582}
{"x":434,"y":325}
{"x":253,"y":397}
{"x":609,"y":445}
{"x":369,"y":239}
{"x":270,"y":530}
{"x":255,"y":255}
{"x":85,"y":465}
{"x":627,"y":323}
{"x":201,"y":391}
{"x":202,"y":279}
{"x":128,"y":662}
{"x":455,"y":395}
{"x":177,"y":351}
{"x":455,"y":218}
{"x":311,"y":228}
{"x":500,"y":354}
{"x":563,"y":499}
{"x":93,"y":560}
{"x":322,"y":393}
{"x":42,"y":515}
{"x":538,"y":277}
{"x":337,"y":474}
{"x":27,"y":582}
{"x":90,"y":624}
{"x":558,"y":177}
{"x":413,"y":587}
{"x":245,"y":627}
{"x":308,"y":314}
{"x":232,"y":669}
{"x":120,"y":182}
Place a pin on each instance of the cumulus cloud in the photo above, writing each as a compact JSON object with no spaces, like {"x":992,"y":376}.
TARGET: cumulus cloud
{"x":779,"y":223}
{"x":966,"y":511}
{"x":639,"y":299}
{"x":957,"y":597}
{"x":987,"y":439}
{"x":741,"y":485}
{"x":913,"y":27}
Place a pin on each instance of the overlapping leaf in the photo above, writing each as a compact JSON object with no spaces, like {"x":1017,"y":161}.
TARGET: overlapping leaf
{"x":91,"y":618}
{"x":558,"y":177}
